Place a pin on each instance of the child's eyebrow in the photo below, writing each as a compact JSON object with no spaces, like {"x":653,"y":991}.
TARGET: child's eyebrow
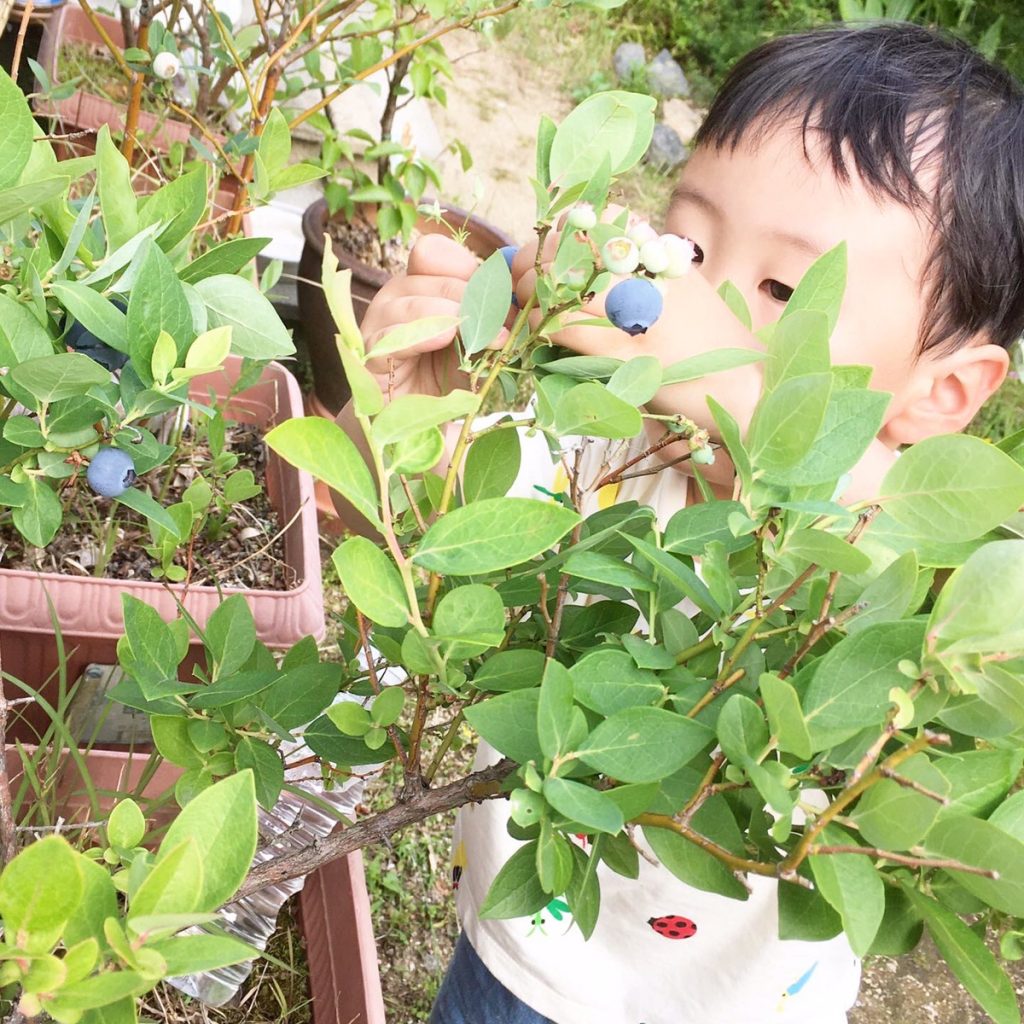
{"x":684,"y":193}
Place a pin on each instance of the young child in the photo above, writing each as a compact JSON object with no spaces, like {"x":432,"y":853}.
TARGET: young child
{"x":910,"y":147}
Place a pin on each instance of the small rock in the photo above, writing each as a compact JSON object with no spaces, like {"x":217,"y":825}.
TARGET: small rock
{"x":666,"y":77}
{"x":683,"y":117}
{"x":628,"y":57}
{"x":666,"y":151}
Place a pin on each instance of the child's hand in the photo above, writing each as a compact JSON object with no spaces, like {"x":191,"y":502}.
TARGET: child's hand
{"x":432,"y":286}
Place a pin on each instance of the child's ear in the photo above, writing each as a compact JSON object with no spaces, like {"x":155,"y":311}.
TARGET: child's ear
{"x":945,"y":391}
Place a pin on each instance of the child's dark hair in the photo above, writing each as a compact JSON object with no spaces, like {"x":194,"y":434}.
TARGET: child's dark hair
{"x":906,"y":103}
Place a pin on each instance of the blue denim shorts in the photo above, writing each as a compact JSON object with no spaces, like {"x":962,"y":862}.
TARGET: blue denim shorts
{"x":470,"y":994}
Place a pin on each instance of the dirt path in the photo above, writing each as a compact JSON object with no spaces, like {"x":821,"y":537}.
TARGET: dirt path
{"x":494,"y":107}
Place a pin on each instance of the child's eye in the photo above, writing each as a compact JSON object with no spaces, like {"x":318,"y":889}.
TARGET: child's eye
{"x":698,"y":253}
{"x":777,"y":290}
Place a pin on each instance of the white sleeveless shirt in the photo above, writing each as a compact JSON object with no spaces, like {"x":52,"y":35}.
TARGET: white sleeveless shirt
{"x":662,"y":952}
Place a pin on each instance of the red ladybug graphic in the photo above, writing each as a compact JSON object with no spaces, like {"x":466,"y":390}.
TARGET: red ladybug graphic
{"x":672,"y":926}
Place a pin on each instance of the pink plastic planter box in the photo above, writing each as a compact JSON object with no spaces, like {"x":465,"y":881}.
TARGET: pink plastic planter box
{"x":89,"y":609}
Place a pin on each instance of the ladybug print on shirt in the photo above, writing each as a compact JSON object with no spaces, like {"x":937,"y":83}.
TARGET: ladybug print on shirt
{"x":672,"y":926}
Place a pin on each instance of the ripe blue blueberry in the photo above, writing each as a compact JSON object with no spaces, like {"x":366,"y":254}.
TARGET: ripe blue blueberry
{"x":633,"y":305}
{"x":80,"y":340}
{"x":509,"y":252}
{"x":111,"y":472}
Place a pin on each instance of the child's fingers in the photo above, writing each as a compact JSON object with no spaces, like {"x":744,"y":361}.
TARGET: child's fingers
{"x":440,"y":256}
{"x":406,"y":310}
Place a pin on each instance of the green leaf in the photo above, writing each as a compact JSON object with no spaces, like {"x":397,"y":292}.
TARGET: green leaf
{"x":367,"y":397}
{"x":637,"y":381}
{"x":787,"y":420}
{"x":142,"y":502}
{"x":691,"y":529}
{"x":692,"y":865}
{"x":785,"y":716}
{"x":591,"y":410}
{"x":414,"y":333}
{"x":612,"y":126}
{"x":387,"y":705}
{"x":953,"y":487}
{"x":322,"y":448}
{"x":230,"y":635}
{"x":118,"y":204}
{"x":301,"y":694}
{"x":589,"y":807}
{"x":508,"y":723}
{"x":560,"y":724}
{"x":510,"y":670}
{"x":29,"y":196}
{"x":969,"y":957}
{"x":821,"y":288}
{"x":492,"y":534}
{"x":554,"y":859}
{"x":729,"y":430}
{"x":151,"y":642}
{"x":678,"y":574}
{"x":516,"y":890}
{"x":978,"y":608}
{"x":978,"y":843}
{"x":256,"y":329}
{"x":826,"y":550}
{"x":19,"y":131}
{"x":41,"y":888}
{"x":643,"y":744}
{"x":51,"y":378}
{"x":372,"y":582}
{"x":485,"y":304}
{"x":895,"y":817}
{"x":191,"y":954}
{"x":888,"y":596}
{"x":742,"y":731}
{"x":222,"y":822}
{"x":178,"y":207}
{"x":469,"y":619}
{"x":978,"y":780}
{"x":227,"y":258}
{"x":850,"y":689}
{"x":267,"y":769}
{"x":323,"y":738}
{"x":412,"y":414}
{"x":231,"y":689}
{"x":98,"y":315}
{"x":126,"y":825}
{"x":608,"y":681}
{"x":171,"y":739}
{"x":804,"y":914}
{"x":157,"y":303}
{"x":851,"y":884}
{"x":40,"y":514}
{"x":492,"y":465}
{"x":798,"y":346}
{"x":584,"y":892}
{"x":174,"y":885}
{"x":733,"y":298}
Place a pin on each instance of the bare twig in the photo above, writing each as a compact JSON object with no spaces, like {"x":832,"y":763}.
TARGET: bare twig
{"x":482,"y":785}
{"x":912,"y":862}
{"x":8,"y":834}
{"x":616,"y":474}
{"x":20,"y":41}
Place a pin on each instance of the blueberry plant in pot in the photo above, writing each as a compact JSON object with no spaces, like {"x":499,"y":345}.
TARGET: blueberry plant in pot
{"x":137,"y":374}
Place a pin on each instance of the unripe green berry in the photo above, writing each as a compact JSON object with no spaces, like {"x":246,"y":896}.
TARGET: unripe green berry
{"x":620,"y":255}
{"x":704,"y":456}
{"x":581,"y":217}
{"x":166,"y":65}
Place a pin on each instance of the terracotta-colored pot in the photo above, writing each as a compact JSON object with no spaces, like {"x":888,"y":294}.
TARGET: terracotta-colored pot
{"x":334,"y":906}
{"x":318,"y":328}
{"x":89,"y":609}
